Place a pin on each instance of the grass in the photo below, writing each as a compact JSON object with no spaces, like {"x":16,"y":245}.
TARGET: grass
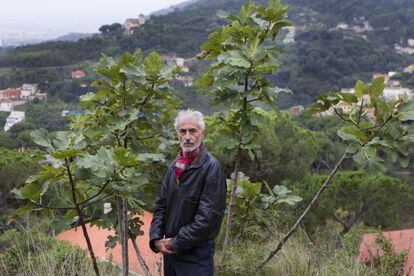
{"x":35,"y":251}
{"x":299,"y":255}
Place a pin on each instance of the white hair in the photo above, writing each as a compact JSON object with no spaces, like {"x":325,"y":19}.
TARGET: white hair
{"x":190,"y":113}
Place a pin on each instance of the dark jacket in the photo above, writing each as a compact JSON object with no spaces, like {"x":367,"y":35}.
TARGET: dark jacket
{"x":190,"y":210}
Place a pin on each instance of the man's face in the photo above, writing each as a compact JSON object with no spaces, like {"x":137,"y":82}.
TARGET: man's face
{"x":190,"y":134}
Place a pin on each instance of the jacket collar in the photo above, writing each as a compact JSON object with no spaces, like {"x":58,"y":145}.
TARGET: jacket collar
{"x":199,"y":159}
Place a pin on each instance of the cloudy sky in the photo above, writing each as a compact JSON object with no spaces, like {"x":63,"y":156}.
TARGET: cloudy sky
{"x":65,"y":16}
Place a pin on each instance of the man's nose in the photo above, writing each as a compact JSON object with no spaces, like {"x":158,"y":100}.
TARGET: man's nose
{"x":187,"y":135}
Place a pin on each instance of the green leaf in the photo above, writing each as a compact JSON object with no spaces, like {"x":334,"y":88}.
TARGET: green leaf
{"x":123,"y":157}
{"x":233,"y":58}
{"x":352,"y":133}
{"x":291,"y":200}
{"x":407,"y":111}
{"x":31,"y":191}
{"x":100,"y":164}
{"x":348,"y":98}
{"x":360,"y":88}
{"x":19,"y":212}
{"x":353,"y":148}
{"x":376,"y":87}
{"x":153,"y":64}
{"x":281,"y":191}
{"x":150,"y":157}
{"x":40,"y":138}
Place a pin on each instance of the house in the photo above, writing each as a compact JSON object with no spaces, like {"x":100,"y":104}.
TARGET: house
{"x":185,"y":80}
{"x":342,"y":26}
{"x":394,"y":93}
{"x":13,"y":118}
{"x":296,"y":110}
{"x":403,"y":50}
{"x":10,"y":94}
{"x":78,"y":74}
{"x":185,"y":69}
{"x":290,"y":36}
{"x":39,"y":96}
{"x":400,"y":240}
{"x":71,"y":112}
{"x":131,"y":23}
{"x":179,"y":61}
{"x":98,"y":236}
{"x":6,"y":105}
{"x":28,"y":90}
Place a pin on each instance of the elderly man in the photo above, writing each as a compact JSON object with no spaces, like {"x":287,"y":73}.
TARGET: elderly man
{"x":190,"y":208}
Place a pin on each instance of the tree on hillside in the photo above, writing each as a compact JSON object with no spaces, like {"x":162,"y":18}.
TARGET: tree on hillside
{"x":373,"y":129}
{"x":245,"y":55}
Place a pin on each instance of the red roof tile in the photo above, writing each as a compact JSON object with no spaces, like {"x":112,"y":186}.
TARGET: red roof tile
{"x":401,"y":240}
{"x":99,"y":236}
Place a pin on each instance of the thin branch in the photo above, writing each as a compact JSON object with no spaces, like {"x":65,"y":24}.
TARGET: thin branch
{"x":51,"y":207}
{"x":95,"y":195}
{"x":256,"y":99}
{"x":360,"y":112}
{"x":91,"y":203}
{"x":343,"y":118}
{"x":303,"y":215}
{"x":378,"y":130}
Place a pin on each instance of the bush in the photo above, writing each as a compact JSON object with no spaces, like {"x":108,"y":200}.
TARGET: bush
{"x":34,"y":251}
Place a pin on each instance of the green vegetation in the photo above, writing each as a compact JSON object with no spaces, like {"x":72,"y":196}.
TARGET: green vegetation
{"x":116,"y":150}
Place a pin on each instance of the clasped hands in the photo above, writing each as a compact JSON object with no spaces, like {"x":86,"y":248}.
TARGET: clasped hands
{"x":165,"y":246}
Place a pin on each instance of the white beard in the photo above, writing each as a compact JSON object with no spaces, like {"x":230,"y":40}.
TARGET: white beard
{"x":187,"y":148}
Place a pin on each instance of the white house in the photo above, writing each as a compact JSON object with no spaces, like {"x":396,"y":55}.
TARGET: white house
{"x":14,"y":118}
{"x":290,"y":36}
{"x":28,"y":90}
{"x":6,"y":105}
{"x":394,"y":93}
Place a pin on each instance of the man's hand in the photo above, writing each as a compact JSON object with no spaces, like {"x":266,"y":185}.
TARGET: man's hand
{"x":164,"y":246}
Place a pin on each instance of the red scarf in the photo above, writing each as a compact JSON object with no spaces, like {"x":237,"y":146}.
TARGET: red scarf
{"x":182,"y":163}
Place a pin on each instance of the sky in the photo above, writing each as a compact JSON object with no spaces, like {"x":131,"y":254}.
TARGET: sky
{"x":63,"y":16}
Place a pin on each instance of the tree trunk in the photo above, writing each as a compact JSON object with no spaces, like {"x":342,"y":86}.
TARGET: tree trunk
{"x":140,"y":258}
{"x":121,"y":235}
{"x":303,"y":215}
{"x":230,"y":211}
{"x":81,"y":219}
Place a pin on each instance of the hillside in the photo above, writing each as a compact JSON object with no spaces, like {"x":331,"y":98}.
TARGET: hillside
{"x":322,"y":57}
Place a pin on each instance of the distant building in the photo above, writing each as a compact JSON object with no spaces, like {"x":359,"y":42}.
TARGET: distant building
{"x":296,"y":110}
{"x":39,"y":96}
{"x":342,"y":26}
{"x":185,"y":69}
{"x":10,"y":94}
{"x":410,"y":42}
{"x":14,"y":118}
{"x":78,"y":74}
{"x":179,"y":61}
{"x":394,"y":93}
{"x":290,"y":36}
{"x":71,"y":112}
{"x":6,"y":105}
{"x":132,"y":23}
{"x":185,"y":80}
{"x":28,"y":90}
{"x":403,"y":50}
